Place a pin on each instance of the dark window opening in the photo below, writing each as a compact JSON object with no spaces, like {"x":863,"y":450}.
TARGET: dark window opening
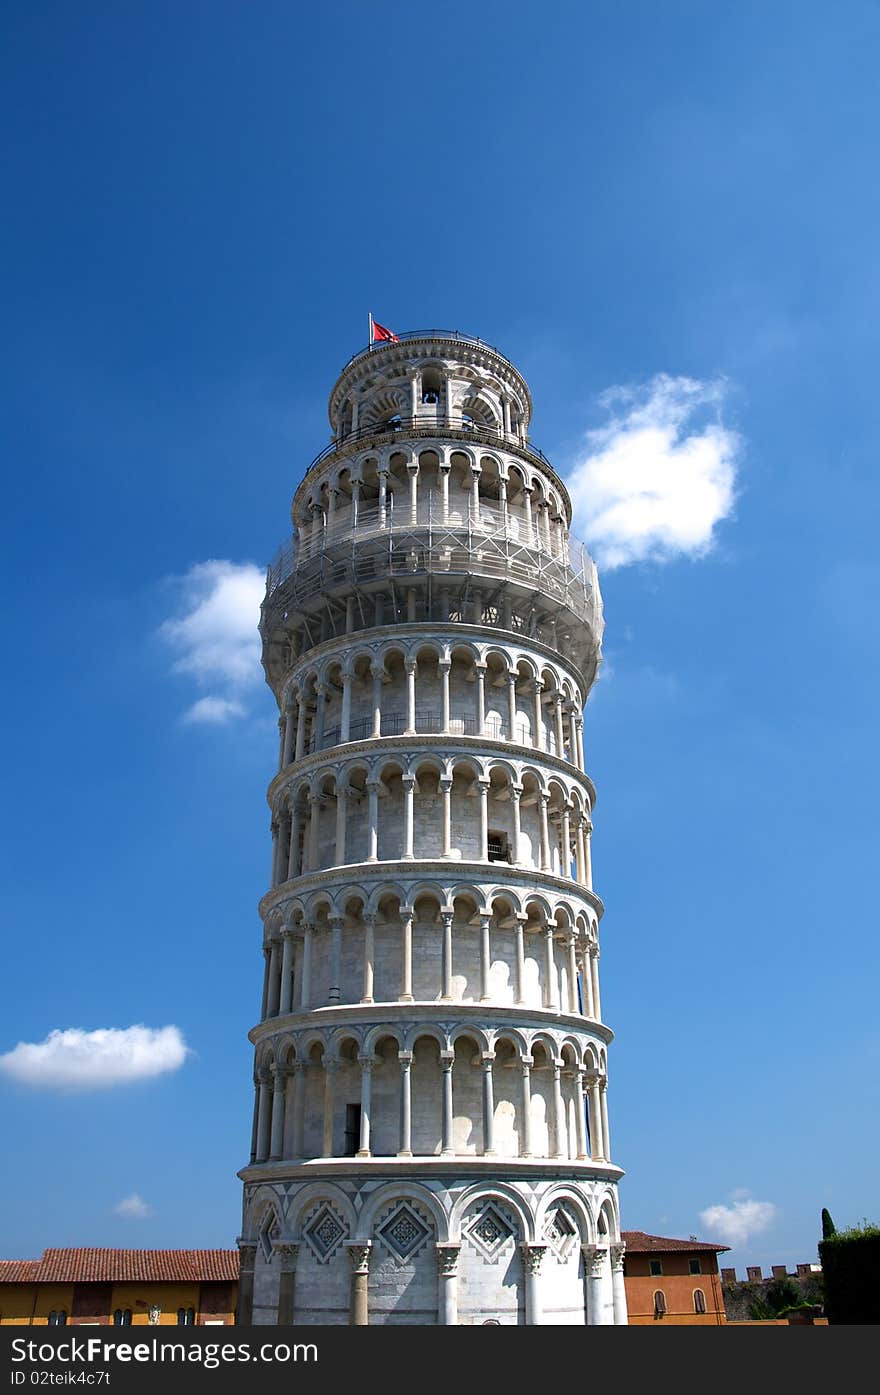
{"x":122,"y":1317}
{"x":186,"y":1317}
{"x":694,"y":1266}
{"x":699,"y":1301}
{"x":58,"y":1319}
{"x":498,"y":846}
{"x":656,"y":1267}
{"x":659,"y":1303}
{"x":352,"y":1130}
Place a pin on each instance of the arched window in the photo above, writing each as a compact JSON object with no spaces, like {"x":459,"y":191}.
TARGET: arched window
{"x":58,"y":1318}
{"x":659,"y":1303}
{"x":122,"y":1317}
{"x":699,"y":1301}
{"x":186,"y":1317}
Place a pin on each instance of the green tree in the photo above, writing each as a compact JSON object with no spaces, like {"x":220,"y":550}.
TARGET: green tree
{"x":827,"y":1224}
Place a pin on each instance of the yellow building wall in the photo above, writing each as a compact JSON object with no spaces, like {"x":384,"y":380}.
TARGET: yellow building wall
{"x":141,"y":1297}
{"x":24,"y":1305}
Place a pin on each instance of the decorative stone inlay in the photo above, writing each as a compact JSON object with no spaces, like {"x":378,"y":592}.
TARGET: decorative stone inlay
{"x":404,"y":1233}
{"x":269,"y":1233}
{"x":323,"y":1233}
{"x":561,"y":1233}
{"x":489,"y":1231}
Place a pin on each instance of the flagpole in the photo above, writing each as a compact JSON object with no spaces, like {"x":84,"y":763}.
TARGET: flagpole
{"x":371,"y":329}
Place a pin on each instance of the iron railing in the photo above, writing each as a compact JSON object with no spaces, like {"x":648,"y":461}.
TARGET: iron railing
{"x":429,"y":723}
{"x":454,"y":334}
{"x":454,"y":427}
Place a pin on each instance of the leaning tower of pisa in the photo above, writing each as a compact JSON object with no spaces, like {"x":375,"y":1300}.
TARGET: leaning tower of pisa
{"x":430,"y":1136}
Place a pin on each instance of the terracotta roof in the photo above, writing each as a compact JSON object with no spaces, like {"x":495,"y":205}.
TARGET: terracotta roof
{"x":123,"y":1266}
{"x":637,"y":1242}
{"x":18,"y":1271}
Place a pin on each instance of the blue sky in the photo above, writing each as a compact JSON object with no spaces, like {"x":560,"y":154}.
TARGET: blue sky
{"x":203,"y":202}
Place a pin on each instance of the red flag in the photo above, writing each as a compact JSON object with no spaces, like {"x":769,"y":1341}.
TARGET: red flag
{"x":380,"y":332}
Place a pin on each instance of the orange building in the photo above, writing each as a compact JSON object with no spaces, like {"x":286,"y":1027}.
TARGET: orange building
{"x":672,"y":1282}
{"x":120,"y":1288}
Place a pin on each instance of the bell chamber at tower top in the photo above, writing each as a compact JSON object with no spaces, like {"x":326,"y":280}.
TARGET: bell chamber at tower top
{"x":430,"y":506}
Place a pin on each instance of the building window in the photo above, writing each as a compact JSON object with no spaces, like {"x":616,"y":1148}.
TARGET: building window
{"x":694,"y":1266}
{"x":122,"y":1317}
{"x":659,"y":1303}
{"x":186,"y":1317}
{"x":498,"y":846}
{"x":352,"y":1130}
{"x":58,"y":1318}
{"x":656,"y":1268}
{"x":699,"y":1301}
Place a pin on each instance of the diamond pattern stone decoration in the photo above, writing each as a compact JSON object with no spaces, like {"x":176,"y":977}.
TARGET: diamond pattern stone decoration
{"x":404,"y":1233}
{"x":269,"y":1232}
{"x":324,"y":1233}
{"x":489,"y":1231}
{"x":561,"y":1233}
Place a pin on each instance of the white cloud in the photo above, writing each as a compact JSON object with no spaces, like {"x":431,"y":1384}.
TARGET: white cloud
{"x":738,"y":1222}
{"x":133,"y":1208}
{"x":78,"y":1060}
{"x":215,"y":710}
{"x":215,"y":635}
{"x":659,"y":476}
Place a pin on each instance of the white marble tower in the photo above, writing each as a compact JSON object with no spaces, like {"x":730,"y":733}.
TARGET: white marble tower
{"x":430,"y":1137}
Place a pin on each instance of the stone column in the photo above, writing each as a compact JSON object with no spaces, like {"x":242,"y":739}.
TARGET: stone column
{"x":305,"y":988}
{"x":276,"y":1147}
{"x":409,"y":786}
{"x":287,"y":1255}
{"x":264,"y":1116}
{"x":286,"y":970}
{"x":580,"y":856}
{"x":527,"y":506}
{"x":532,"y":1256}
{"x":594,"y":978}
{"x":299,"y":1108}
{"x":587,"y":981}
{"x":502,"y":501}
{"x":588,"y":858}
{"x":525,"y":1140}
{"x":579,"y":724}
{"x":597,"y":1152}
{"x":367,"y":1063}
{"x":559,"y":1129}
{"x":359,"y":1254}
{"x":300,"y":726}
{"x":572,"y":737}
{"x":538,"y":740}
{"x":549,"y":967}
{"x":410,"y":667}
{"x":267,"y":962}
{"x":255,"y":1121}
{"x":594,"y":1266}
{"x":373,"y":790}
{"x":247,"y":1258}
{"x":274,"y":981}
{"x":572,"y":973}
{"x":383,"y":496}
{"x":376,"y":671}
{"x":345,"y":719}
{"x":336,"y":922}
{"x":581,"y":1116}
{"x":475,"y":493}
{"x":447,"y":1147}
{"x":444,"y":667}
{"x":293,"y":856}
{"x":320,"y":714}
{"x":606,"y":1133}
{"x":329,"y":1091}
{"x":446,"y":791}
{"x":275,"y":831}
{"x":485,"y":958}
{"x":444,"y":493}
{"x":520,"y":967}
{"x":447,"y":1271}
{"x":543,"y":801}
{"x":369,"y":957}
{"x":341,"y":819}
{"x":481,"y":696}
{"x":355,"y":502}
{"x":488,"y":1106}
{"x":287,"y":749}
{"x":446,"y":918}
{"x":511,"y":705}
{"x":618,"y":1285}
{"x":565,"y":836}
{"x":405,"y":1058}
{"x":406,"y":924}
{"x":515,"y":792}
